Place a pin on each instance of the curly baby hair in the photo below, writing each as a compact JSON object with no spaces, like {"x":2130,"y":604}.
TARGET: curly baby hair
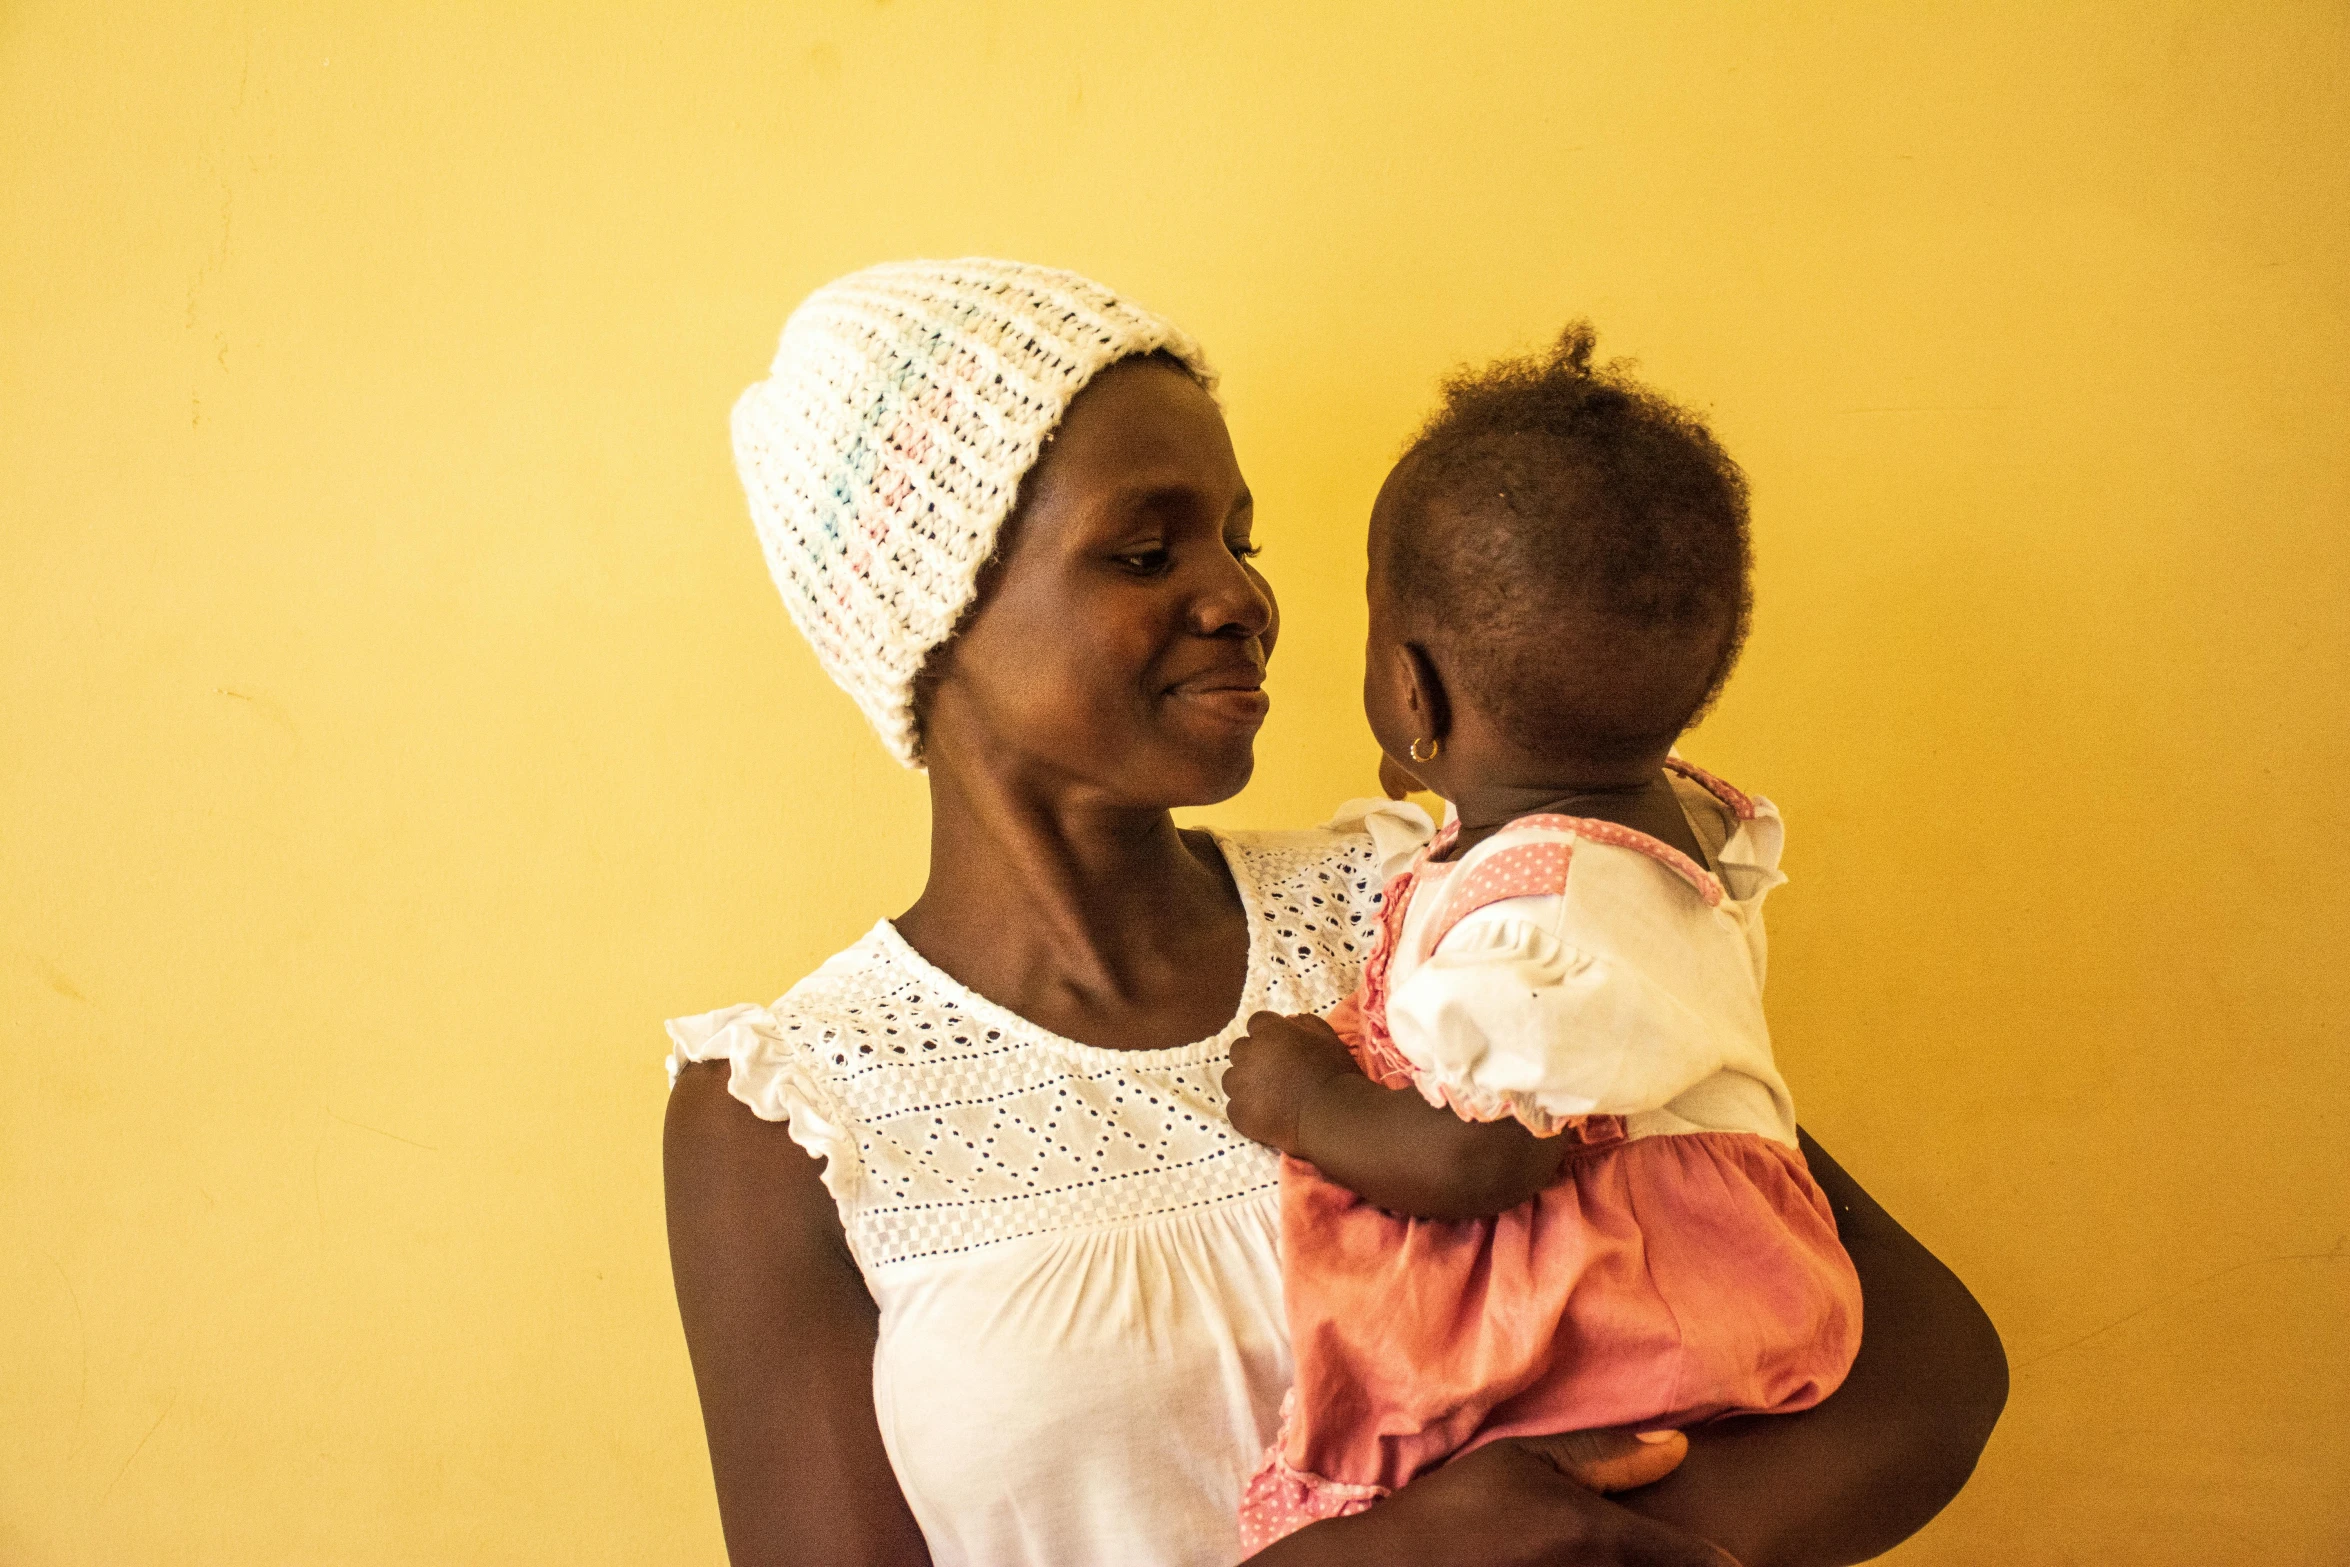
{"x":1577,"y":544}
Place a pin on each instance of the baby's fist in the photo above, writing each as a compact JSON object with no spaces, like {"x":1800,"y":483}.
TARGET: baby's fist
{"x":1276,"y":1066}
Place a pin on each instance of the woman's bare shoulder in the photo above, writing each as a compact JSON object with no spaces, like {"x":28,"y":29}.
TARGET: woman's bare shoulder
{"x":728,"y":1169}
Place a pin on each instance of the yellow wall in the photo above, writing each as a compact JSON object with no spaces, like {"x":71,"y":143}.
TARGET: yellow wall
{"x":396,"y":724}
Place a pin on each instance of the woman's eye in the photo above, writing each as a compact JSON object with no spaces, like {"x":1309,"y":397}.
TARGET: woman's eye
{"x":1247,"y":551}
{"x":1145,"y":562}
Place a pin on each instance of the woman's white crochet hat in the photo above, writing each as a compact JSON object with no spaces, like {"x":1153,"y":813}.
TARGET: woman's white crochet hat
{"x":886,"y":447}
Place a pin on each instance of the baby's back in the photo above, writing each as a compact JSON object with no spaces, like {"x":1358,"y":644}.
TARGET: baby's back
{"x":1569,"y":967}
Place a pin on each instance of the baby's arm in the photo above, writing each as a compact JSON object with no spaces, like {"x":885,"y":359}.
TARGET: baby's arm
{"x":1515,"y":1027}
{"x":1294,"y":1086}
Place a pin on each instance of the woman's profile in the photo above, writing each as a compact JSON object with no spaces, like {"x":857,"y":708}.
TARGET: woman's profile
{"x":973,"y":1267}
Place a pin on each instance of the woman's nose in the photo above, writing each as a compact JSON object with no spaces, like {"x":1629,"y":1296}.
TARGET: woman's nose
{"x":1233,"y":601}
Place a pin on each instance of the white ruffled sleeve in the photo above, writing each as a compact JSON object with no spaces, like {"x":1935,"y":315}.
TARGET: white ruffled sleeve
{"x":1505,"y":1019}
{"x":1399,"y":831}
{"x":772,"y":1073}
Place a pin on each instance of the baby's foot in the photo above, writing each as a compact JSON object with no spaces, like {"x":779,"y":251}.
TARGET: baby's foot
{"x":1606,"y":1461}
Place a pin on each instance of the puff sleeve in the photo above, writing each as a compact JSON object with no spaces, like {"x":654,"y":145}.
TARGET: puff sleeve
{"x":1399,"y":831}
{"x":1507,"y":1019}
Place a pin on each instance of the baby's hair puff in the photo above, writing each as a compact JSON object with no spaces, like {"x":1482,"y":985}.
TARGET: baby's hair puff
{"x":1576,"y":544}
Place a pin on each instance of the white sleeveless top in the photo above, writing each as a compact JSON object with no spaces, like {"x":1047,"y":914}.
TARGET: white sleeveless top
{"x":1082,"y":1350}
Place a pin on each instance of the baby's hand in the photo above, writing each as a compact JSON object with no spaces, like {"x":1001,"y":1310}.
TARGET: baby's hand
{"x":1276,"y":1066}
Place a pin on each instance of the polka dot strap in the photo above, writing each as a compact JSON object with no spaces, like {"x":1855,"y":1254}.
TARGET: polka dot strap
{"x":1740,"y":803}
{"x":1536,"y":868}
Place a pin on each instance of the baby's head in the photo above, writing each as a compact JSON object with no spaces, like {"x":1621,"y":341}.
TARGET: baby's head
{"x":1559,"y":576}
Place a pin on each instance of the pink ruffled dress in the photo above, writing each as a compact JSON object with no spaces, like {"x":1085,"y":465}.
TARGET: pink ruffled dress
{"x":1596,"y":984}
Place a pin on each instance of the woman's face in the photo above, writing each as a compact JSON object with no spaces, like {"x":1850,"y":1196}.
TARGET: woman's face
{"x":1119,"y":644}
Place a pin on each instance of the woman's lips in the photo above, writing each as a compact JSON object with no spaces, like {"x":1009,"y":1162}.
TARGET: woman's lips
{"x":1235,"y":702}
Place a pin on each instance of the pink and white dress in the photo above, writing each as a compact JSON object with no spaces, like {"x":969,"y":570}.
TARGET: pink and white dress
{"x":1596,"y":984}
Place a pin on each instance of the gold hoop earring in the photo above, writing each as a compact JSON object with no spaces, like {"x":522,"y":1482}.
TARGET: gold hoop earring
{"x":1434,"y":746}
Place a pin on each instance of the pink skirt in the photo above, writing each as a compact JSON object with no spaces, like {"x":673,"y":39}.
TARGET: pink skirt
{"x":1659,"y":1282}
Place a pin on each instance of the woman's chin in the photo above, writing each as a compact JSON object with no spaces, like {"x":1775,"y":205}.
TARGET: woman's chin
{"x":1202,"y":776}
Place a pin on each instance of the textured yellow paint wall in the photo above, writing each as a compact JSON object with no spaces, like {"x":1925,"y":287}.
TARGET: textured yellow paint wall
{"x":396,"y":724}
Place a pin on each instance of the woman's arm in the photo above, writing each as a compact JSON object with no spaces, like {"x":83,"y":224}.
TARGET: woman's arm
{"x":1838,"y":1483}
{"x":1522,"y":1503}
{"x":1865,"y":1470}
{"x":781,"y":1331}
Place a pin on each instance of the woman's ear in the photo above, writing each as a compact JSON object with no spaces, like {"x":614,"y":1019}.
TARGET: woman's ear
{"x":1423,"y":691}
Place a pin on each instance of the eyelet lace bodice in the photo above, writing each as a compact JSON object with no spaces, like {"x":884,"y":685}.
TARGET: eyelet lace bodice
{"x":948,"y":1123}
{"x":1080,"y":1350}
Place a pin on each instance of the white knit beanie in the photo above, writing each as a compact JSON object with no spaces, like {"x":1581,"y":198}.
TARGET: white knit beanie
{"x":886,"y":447}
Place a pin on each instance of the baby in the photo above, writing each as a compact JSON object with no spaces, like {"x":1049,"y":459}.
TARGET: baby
{"x":1543,"y":1174}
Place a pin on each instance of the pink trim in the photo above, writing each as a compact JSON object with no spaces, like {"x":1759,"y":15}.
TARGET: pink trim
{"x":1740,"y":804}
{"x":1515,"y":870}
{"x":1281,"y":1499}
{"x":1708,"y":885}
{"x":1590,"y":1131}
{"x":1375,"y":1050}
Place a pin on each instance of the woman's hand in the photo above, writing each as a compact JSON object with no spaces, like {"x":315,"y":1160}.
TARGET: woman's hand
{"x":1529,"y":1502}
{"x":1276,"y":1068}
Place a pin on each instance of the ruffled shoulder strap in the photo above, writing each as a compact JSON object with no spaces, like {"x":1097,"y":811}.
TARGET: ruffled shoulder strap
{"x":1399,"y":831}
{"x":1513,"y":863}
{"x":1742,"y":832}
{"x":776,"y":1076}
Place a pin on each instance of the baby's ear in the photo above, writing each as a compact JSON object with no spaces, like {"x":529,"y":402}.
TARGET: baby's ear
{"x":1423,"y":689}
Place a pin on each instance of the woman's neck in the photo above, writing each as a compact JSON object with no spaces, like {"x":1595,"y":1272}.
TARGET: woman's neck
{"x":1103,"y":924}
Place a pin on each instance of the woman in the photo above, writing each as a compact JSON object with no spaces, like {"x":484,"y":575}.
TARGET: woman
{"x":971,"y":1266}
